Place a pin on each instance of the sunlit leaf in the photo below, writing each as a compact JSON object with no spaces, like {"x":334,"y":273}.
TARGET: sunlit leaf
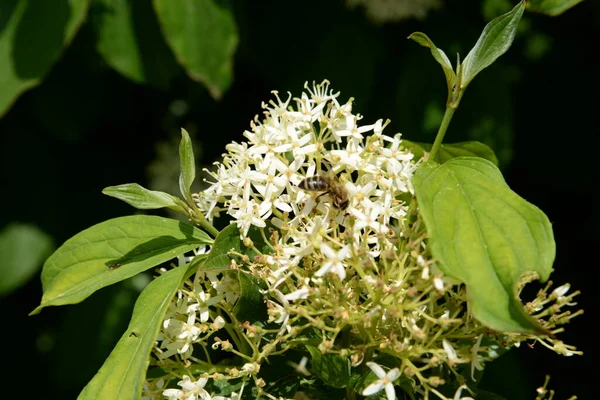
{"x":22,"y":251}
{"x":203,"y":36}
{"x":144,"y":199}
{"x":112,"y":251}
{"x":485,"y":235}
{"x":495,"y":40}
{"x":33,"y":34}
{"x":124,"y":372}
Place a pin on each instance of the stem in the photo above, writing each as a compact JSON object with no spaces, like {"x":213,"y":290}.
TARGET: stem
{"x":442,"y":131}
{"x":208,"y":227}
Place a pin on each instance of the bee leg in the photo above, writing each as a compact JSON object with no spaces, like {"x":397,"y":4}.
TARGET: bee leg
{"x":322,"y":194}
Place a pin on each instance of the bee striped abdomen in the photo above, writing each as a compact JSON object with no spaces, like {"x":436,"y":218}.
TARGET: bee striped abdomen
{"x":314,"y":183}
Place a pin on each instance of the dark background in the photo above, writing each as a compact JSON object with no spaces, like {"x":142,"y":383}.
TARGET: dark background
{"x":86,"y":127}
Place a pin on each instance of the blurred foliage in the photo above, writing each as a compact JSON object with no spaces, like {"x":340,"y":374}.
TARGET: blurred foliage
{"x":23,"y":249}
{"x":116,"y":80}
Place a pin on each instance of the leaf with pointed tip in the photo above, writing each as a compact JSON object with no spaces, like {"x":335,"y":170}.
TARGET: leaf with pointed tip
{"x":551,"y":7}
{"x":485,"y":235}
{"x":188,"y":165}
{"x":144,"y":199}
{"x":203,"y":36}
{"x":495,"y":40}
{"x":123,"y":374}
{"x":227,"y":240}
{"x":438,"y":55}
{"x":452,"y":150}
{"x":112,"y":251}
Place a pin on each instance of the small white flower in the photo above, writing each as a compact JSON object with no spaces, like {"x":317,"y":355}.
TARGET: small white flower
{"x":218,"y":323}
{"x":301,"y":293}
{"x":334,"y":261}
{"x":251,"y":368}
{"x":450,"y":352}
{"x":248,"y":215}
{"x":561,"y":290}
{"x":190,"y":390}
{"x":386,"y":380}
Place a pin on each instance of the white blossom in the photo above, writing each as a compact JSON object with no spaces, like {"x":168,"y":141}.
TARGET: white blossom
{"x":335,"y":261}
{"x":385,"y":381}
{"x":190,"y":390}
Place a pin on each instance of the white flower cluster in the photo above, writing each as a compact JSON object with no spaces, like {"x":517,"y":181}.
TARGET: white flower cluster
{"x":321,"y":205}
{"x":258,"y":180}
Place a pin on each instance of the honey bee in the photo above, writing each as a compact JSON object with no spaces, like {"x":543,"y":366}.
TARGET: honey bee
{"x":329,"y":184}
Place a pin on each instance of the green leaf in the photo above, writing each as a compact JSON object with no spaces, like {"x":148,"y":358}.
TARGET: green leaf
{"x":453,"y":150}
{"x":203,"y":36}
{"x":218,"y":259}
{"x":130,"y":41}
{"x":229,"y":239}
{"x":551,"y":7}
{"x":144,"y":199}
{"x":485,"y":235}
{"x":33,"y":34}
{"x":123,"y":374}
{"x":112,"y":251}
{"x":438,"y":55}
{"x":22,"y":251}
{"x":188,"y":165}
{"x":494,"y":41}
{"x":333,"y":369}
{"x":250,"y":306}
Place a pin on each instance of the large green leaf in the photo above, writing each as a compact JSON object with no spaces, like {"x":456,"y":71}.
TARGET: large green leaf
{"x":130,"y":41}
{"x":203,"y":36}
{"x":495,"y":40}
{"x":112,"y":251}
{"x":485,"y":235}
{"x":453,"y":150}
{"x":22,"y":251}
{"x":123,"y":374}
{"x":32,"y":36}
